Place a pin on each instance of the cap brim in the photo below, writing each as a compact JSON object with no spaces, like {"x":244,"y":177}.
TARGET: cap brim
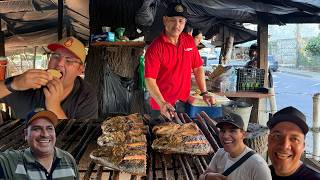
{"x":56,"y":46}
{"x":45,"y":114}
{"x":185,"y":15}
{"x":222,"y":122}
{"x":289,"y":118}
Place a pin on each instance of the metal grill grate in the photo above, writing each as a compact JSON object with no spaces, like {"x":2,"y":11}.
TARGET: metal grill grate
{"x":78,"y":137}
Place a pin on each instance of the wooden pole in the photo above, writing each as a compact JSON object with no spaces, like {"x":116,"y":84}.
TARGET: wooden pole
{"x":229,"y":47}
{"x":316,"y":126}
{"x":272,"y":100}
{"x":226,"y":50}
{"x":35,"y":57}
{"x":60,"y":19}
{"x":298,"y":41}
{"x":2,"y":48}
{"x":259,"y":104}
{"x":263,"y":50}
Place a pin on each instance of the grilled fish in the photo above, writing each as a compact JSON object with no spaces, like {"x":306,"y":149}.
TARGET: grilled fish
{"x":175,"y":138}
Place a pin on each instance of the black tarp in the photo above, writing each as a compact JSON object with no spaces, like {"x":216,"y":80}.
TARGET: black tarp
{"x":20,"y":17}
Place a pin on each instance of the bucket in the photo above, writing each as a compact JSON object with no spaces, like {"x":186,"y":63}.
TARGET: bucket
{"x":240,"y":108}
{"x":3,"y":67}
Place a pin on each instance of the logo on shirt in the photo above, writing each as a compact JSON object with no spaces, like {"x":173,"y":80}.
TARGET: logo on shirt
{"x":187,"y":49}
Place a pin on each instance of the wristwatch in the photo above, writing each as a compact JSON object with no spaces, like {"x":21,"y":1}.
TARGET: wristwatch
{"x":203,"y":93}
{"x":8,"y":83}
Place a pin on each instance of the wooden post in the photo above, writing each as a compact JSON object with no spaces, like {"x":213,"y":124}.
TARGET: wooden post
{"x":226,"y":50}
{"x":258,"y":115}
{"x":316,"y":126}
{"x":229,"y":47}
{"x":60,"y":19}
{"x":263,"y":50}
{"x":2,"y":48}
{"x":298,"y":41}
{"x":35,"y":57}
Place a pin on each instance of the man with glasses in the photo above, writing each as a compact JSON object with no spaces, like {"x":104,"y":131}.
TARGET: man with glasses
{"x":286,"y":143}
{"x":69,"y":96}
{"x":169,"y":61}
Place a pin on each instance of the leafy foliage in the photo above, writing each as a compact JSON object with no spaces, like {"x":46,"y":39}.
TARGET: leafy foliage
{"x":313,"y":46}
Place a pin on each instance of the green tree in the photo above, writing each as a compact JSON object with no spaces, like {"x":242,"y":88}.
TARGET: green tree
{"x":313,"y":46}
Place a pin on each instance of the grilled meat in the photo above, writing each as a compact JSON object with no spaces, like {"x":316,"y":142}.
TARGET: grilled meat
{"x":165,"y":128}
{"x":118,"y":138}
{"x":111,"y":138}
{"x":195,"y":145}
{"x":123,"y":123}
{"x":123,"y":144}
{"x":132,"y":161}
{"x":186,"y":138}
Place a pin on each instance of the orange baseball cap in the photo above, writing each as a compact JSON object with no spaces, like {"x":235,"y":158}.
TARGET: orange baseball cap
{"x":42,"y":113}
{"x":73,"y":45}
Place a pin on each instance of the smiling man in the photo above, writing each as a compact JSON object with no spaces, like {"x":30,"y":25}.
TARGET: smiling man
{"x":69,"y":97}
{"x":286,"y":143}
{"x":231,"y":136}
{"x":42,"y":160}
{"x":169,"y":62}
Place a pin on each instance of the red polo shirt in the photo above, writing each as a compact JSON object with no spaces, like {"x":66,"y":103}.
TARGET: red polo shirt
{"x":171,"y":66}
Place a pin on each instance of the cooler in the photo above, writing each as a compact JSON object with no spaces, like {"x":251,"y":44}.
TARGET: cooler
{"x":196,"y":105}
{"x":211,"y":111}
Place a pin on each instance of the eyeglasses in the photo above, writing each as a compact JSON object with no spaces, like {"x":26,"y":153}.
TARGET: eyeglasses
{"x":67,"y":59}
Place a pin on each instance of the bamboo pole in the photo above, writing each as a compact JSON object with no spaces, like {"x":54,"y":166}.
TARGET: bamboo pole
{"x":316,"y":126}
{"x":272,"y":99}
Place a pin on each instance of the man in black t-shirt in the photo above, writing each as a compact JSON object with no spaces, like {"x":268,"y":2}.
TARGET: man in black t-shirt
{"x":286,"y":143}
{"x":59,"y":89}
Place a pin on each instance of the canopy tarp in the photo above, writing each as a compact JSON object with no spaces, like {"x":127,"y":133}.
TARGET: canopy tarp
{"x":35,"y":21}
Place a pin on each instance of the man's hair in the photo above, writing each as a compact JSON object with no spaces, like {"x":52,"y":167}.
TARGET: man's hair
{"x":253,"y":47}
{"x":187,"y":28}
{"x":196,"y":32}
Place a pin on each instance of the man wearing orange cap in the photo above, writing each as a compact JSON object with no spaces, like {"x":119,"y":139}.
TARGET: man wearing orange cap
{"x":42,"y":160}
{"x":67,"y":95}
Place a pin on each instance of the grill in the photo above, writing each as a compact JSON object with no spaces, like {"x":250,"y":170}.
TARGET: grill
{"x":169,"y":166}
{"x":79,"y":138}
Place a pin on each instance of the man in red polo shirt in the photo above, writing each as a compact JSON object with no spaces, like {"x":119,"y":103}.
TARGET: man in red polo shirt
{"x":169,"y":61}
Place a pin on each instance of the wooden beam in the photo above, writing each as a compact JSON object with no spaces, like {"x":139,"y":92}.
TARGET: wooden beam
{"x":60,"y":19}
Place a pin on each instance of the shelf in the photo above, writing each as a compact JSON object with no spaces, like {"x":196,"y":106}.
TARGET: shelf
{"x":256,"y":95}
{"x":120,"y":43}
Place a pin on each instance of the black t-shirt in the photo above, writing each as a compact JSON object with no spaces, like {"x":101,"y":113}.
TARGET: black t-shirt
{"x":81,"y":103}
{"x":303,"y":173}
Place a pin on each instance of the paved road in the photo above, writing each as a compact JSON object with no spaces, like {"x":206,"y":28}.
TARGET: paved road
{"x":297,"y":89}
